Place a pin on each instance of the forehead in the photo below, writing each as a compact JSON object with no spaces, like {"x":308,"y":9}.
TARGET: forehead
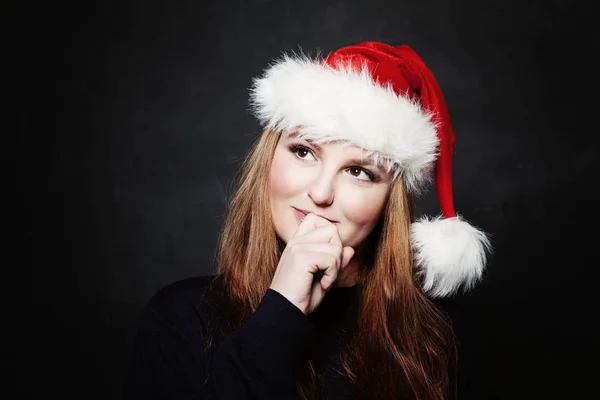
{"x":349,"y":150}
{"x":347,"y":147}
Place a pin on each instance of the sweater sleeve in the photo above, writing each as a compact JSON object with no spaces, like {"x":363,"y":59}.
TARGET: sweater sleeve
{"x":255,"y":362}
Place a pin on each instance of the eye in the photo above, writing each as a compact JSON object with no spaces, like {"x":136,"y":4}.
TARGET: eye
{"x":361,"y":174}
{"x":301,"y":152}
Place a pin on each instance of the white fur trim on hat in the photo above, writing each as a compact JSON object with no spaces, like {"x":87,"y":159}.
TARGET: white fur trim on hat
{"x":449,"y":253}
{"x":326,"y":104}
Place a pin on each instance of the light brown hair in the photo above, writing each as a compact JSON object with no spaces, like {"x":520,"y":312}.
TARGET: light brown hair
{"x":400,"y":346}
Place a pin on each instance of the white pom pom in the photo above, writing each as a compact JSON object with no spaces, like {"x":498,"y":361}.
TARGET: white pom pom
{"x":449,"y":253}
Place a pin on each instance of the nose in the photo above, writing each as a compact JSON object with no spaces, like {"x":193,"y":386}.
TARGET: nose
{"x":321,"y":190}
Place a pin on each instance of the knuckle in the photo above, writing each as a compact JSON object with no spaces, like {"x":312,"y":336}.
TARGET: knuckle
{"x":294,"y":248}
{"x":309,"y":217}
{"x":333,"y":230}
{"x":333,"y":261}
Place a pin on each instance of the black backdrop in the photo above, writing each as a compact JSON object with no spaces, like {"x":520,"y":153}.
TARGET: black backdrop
{"x":133,"y":117}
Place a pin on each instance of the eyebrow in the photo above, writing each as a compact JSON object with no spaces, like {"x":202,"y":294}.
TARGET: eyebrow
{"x":361,"y":162}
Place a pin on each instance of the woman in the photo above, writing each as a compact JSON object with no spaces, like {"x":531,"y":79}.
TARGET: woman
{"x":326,"y":283}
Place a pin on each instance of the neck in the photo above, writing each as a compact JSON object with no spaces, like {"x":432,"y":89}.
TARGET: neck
{"x":351,"y":274}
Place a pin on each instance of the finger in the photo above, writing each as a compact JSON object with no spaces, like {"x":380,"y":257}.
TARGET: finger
{"x":329,"y":276}
{"x":335,"y":250}
{"x":310,"y":222}
{"x":321,"y":264}
{"x":330,"y":272}
{"x":327,"y":234}
{"x":336,"y":236}
{"x":347,"y":254}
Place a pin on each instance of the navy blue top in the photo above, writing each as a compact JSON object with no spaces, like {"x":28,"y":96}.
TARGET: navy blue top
{"x":258,"y":360}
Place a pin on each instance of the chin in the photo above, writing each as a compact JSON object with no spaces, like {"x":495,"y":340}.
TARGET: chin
{"x":288,"y":233}
{"x":285,"y":232}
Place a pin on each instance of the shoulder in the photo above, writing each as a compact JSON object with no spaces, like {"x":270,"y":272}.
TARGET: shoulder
{"x":180,"y":300}
{"x":171,"y":339}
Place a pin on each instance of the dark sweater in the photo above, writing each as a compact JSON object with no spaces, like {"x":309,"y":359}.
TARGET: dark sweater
{"x":258,"y":360}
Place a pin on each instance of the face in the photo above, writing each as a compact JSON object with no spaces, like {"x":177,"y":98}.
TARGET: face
{"x":332,"y":180}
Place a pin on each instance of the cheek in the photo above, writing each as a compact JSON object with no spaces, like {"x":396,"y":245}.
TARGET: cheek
{"x":285,"y":184}
{"x":280,"y":183}
{"x":363,"y":211}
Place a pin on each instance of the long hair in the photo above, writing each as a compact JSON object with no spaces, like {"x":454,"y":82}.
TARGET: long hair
{"x":399,"y":346}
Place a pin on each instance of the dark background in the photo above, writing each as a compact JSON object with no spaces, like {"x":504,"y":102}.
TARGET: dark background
{"x":130,"y":119}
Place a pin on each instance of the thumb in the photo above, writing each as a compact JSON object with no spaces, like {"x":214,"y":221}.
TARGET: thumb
{"x":347,"y":254}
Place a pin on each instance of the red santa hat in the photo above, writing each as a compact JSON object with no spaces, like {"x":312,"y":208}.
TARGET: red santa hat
{"x":385,"y":100}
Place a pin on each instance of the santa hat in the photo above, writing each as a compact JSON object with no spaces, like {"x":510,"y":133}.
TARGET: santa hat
{"x":385,"y":100}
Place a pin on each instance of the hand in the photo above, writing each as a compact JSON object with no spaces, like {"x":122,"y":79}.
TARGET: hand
{"x":316,"y":247}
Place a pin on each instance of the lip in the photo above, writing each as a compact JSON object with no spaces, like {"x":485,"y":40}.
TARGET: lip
{"x":300,"y":214}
